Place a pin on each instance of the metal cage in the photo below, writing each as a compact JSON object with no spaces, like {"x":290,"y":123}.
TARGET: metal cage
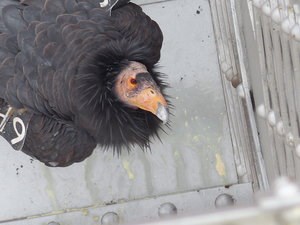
{"x":263,"y":39}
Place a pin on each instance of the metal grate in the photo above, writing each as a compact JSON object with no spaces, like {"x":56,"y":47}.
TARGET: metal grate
{"x":259,"y":49}
{"x":248,"y":157}
{"x":277,"y":33}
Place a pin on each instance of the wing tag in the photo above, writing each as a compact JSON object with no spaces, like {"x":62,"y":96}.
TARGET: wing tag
{"x":108,"y":5}
{"x":13,"y":125}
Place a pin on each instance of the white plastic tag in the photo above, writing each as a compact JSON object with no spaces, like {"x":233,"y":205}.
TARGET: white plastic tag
{"x":108,"y":5}
{"x":13,"y":125}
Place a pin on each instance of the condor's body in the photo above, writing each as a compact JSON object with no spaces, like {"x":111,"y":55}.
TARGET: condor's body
{"x":60,"y":63}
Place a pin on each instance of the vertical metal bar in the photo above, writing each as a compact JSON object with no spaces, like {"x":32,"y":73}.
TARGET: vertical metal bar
{"x":290,"y":98}
{"x":241,"y":55}
{"x":239,"y":109}
{"x":295,"y":59}
{"x":243,"y":131}
{"x":232,"y":50}
{"x":266,"y":135}
{"x":229,"y":38}
{"x":279,"y":59}
{"x":230,"y":98}
{"x":218,"y":35}
{"x":270,"y":41}
{"x":280,"y":89}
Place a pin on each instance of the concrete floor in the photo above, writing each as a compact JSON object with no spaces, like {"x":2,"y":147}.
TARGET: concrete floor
{"x":196,"y":154}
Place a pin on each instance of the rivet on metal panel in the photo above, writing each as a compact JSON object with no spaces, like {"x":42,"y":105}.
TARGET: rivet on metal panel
{"x":240,"y":91}
{"x":53,"y":223}
{"x":272,"y":118}
{"x":298,"y":150}
{"x":283,"y":187}
{"x":266,"y":8}
{"x":167,"y":209}
{"x":224,"y":200}
{"x":110,"y":218}
{"x":261,"y":111}
{"x":235,"y":81}
{"x":295,"y":32}
{"x":287,"y":25}
{"x":290,"y":139}
{"x":276,"y":15}
{"x":280,"y":128}
{"x":241,"y":171}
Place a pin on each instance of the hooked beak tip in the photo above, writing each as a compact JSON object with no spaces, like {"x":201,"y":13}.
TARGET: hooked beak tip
{"x":162,"y":113}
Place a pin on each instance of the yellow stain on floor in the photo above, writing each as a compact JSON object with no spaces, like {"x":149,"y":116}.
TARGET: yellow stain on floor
{"x":220,"y":167}
{"x":126,"y":166}
{"x":176,"y":154}
{"x":196,"y":138}
{"x":49,"y":189}
{"x":52,"y":197}
{"x":85,"y":212}
{"x":96,"y":218}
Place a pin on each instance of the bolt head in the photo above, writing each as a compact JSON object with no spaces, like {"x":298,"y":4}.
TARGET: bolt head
{"x":295,"y":32}
{"x":235,"y":81}
{"x":224,"y":200}
{"x":167,"y":209}
{"x":276,"y":15}
{"x":272,"y":118}
{"x":110,"y":218}
{"x":290,"y":140}
{"x":266,"y":8}
{"x":280,"y":128}
{"x":261,"y":111}
{"x":53,"y":223}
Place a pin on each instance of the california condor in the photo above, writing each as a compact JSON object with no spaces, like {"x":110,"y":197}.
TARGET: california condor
{"x":81,"y":76}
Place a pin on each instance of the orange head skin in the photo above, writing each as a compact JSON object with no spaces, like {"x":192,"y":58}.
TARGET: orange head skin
{"x":135,"y":87}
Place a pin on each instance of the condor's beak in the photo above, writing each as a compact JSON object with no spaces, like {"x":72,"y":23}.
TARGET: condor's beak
{"x":151,"y":100}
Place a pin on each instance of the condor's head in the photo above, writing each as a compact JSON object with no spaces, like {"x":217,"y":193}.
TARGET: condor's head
{"x":120,"y":98}
{"x":135,"y":87}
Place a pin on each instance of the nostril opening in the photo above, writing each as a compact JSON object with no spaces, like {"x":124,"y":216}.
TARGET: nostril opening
{"x":152,"y":92}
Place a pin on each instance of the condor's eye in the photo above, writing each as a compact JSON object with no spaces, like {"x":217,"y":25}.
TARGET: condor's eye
{"x":133,"y":81}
